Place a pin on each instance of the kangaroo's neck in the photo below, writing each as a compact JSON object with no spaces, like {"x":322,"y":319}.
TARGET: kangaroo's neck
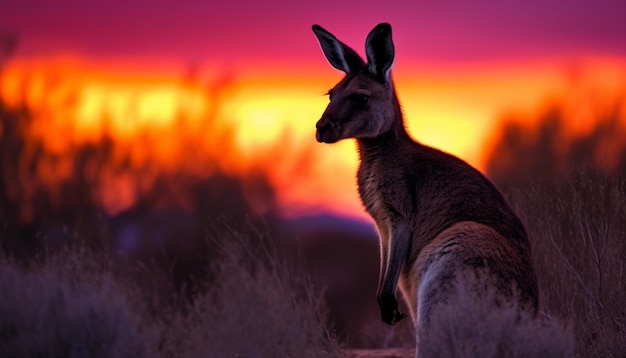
{"x":388,"y":142}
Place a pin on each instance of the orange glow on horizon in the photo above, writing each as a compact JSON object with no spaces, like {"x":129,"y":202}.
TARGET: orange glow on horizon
{"x":262,"y":123}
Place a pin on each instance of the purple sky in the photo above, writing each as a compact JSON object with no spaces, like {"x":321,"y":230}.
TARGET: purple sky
{"x":238,"y":32}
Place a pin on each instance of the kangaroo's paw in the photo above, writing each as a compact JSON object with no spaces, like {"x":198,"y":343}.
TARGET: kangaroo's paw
{"x":389,"y":309}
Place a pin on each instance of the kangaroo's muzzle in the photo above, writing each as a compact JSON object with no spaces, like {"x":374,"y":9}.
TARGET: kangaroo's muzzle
{"x":327,"y":131}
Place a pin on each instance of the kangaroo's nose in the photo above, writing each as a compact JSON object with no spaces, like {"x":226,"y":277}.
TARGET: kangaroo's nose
{"x":321,"y":126}
{"x":318,"y":134}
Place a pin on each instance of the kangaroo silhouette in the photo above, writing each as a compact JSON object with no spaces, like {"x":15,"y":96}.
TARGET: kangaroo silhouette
{"x":437,"y":217}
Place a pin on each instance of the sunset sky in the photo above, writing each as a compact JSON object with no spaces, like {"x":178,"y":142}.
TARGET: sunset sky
{"x":459,"y":67}
{"x":251,"y":33}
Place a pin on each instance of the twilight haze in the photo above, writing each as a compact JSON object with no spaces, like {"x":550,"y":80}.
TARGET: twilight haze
{"x":124,"y":68}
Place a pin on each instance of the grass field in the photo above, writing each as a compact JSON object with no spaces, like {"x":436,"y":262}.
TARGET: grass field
{"x":252,"y":303}
{"x":255,"y":299}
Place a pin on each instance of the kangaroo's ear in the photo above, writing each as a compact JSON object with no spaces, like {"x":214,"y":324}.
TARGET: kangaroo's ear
{"x":338,"y":54}
{"x":380,"y":51}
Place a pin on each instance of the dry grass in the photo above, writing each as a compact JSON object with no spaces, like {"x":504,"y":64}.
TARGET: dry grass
{"x":69,"y":307}
{"x":471,"y":327}
{"x":578,"y":233}
{"x":258,"y":307}
{"x":74,"y":306}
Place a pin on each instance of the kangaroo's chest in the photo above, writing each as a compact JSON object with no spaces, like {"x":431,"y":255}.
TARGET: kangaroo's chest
{"x":370,"y":185}
{"x":379,"y":192}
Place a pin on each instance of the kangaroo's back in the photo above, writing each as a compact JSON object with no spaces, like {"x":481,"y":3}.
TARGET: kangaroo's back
{"x":447,"y":190}
{"x":442,"y":224}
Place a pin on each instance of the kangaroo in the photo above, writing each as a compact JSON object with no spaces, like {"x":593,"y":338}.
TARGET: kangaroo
{"x":437,"y":217}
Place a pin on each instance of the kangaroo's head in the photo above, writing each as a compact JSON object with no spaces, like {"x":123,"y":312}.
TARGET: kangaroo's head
{"x":363,"y":104}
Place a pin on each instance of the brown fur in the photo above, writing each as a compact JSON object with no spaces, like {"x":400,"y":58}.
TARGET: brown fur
{"x":436,"y":215}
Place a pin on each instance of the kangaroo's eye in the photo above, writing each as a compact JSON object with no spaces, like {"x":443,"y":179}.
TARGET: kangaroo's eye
{"x":360,"y":99}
